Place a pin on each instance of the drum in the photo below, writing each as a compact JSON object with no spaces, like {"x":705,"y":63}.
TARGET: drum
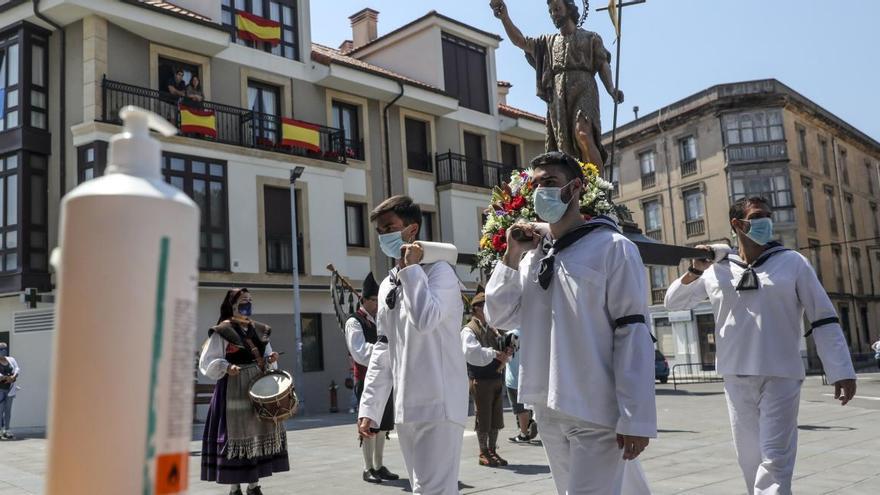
{"x":273,"y":396}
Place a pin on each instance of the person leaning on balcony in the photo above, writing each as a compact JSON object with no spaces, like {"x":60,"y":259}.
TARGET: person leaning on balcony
{"x":759,"y":295}
{"x":175,"y":85}
{"x":194,"y":91}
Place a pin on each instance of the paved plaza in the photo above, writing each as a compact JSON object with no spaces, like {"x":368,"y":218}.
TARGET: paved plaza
{"x":839,"y":452}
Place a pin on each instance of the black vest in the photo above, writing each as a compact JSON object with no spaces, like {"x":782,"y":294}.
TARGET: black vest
{"x":237,"y":352}
{"x":487,"y":338}
{"x":371,"y":335}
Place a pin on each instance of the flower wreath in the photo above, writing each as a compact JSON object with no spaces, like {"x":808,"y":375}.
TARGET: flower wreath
{"x":514,"y":201}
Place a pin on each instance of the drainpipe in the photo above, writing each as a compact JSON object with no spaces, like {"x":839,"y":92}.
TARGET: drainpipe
{"x":62,"y":114}
{"x":387,"y":139}
{"x":854,"y":320}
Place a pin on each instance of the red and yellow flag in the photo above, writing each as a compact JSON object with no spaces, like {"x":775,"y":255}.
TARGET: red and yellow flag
{"x":298,"y":134}
{"x":255,"y":28}
{"x":198,"y":121}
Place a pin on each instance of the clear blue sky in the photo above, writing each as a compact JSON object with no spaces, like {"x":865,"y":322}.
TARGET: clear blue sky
{"x":827,"y":50}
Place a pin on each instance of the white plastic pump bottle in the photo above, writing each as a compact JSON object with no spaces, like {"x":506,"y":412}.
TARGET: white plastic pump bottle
{"x":121,"y":406}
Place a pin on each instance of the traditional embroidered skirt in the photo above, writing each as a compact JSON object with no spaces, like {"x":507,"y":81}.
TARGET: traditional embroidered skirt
{"x":238,"y":447}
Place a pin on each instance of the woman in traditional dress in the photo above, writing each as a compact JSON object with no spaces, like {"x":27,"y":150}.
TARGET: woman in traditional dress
{"x":237,"y":446}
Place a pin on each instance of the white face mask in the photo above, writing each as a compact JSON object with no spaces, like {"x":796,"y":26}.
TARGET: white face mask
{"x":548,"y":203}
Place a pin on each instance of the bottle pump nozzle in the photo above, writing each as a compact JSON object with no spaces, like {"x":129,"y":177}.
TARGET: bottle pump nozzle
{"x":134,"y":151}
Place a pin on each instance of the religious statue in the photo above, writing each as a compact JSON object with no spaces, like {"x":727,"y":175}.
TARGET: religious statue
{"x":566,"y":65}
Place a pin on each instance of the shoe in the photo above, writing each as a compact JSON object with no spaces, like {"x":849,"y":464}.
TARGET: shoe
{"x":254,"y":491}
{"x":519,"y":439}
{"x":8,"y":436}
{"x":370,"y":476}
{"x":236,"y":492}
{"x":497,"y":458}
{"x":533,"y":429}
{"x":486,"y":459}
{"x":385,"y":474}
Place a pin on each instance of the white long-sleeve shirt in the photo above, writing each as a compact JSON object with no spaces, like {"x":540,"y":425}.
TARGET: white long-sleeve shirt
{"x":358,"y":346}
{"x":572,"y":358}
{"x":474,"y":353}
{"x":419,"y":350}
{"x":758,"y":332}
{"x":213,"y":363}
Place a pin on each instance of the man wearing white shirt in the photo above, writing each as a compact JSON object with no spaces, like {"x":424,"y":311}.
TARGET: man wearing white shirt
{"x":418,"y":353}
{"x":579,"y":299}
{"x":759,"y":296}
{"x":360,"y":337}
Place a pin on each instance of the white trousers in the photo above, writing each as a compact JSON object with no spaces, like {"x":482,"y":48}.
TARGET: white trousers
{"x":432,"y":453}
{"x":763,"y":417}
{"x":584,"y":458}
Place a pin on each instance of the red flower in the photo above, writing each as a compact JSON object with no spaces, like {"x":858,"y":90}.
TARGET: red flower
{"x":587,"y":217}
{"x":516,"y":203}
{"x":499,"y":240}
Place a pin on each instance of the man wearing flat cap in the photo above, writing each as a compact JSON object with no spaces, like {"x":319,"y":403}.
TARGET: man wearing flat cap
{"x":485,"y":364}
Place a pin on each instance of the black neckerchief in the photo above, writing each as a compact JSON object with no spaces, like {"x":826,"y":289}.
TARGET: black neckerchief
{"x":391,"y":298}
{"x":749,"y":279}
{"x":552,"y":248}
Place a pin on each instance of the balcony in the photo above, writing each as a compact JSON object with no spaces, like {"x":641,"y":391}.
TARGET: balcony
{"x":354,"y":149}
{"x":688,"y":168}
{"x":453,"y":168}
{"x":233,"y":125}
{"x":649,"y":180}
{"x":658,"y":296}
{"x":695,"y":227}
{"x":657,"y":234}
{"x":757,"y":152}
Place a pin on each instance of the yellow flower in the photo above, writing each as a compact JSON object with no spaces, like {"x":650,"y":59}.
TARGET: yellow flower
{"x":484,"y":242}
{"x":589,"y":169}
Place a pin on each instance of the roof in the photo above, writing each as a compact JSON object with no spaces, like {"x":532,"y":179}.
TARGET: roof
{"x":430,"y":14}
{"x":518,"y":113}
{"x":326,"y":55}
{"x":171,"y":9}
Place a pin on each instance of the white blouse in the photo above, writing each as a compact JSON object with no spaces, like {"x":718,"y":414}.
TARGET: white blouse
{"x":213,"y":363}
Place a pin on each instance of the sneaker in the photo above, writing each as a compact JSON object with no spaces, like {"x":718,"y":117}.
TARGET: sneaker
{"x":385,"y":474}
{"x":7,"y":435}
{"x":533,"y":429}
{"x":370,"y":476}
{"x":254,"y":491}
{"x":520,"y":439}
{"x":236,"y":492}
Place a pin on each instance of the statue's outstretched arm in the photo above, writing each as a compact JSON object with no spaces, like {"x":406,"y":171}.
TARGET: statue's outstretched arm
{"x":513,"y":33}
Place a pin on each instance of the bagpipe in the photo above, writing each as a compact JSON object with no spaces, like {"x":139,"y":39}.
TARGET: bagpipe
{"x":345,"y":297}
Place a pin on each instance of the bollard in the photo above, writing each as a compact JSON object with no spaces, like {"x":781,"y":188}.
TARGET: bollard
{"x":334,"y":406}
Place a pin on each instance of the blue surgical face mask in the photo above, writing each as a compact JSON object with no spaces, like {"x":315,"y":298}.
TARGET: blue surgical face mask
{"x":246,"y":309}
{"x":4,"y":352}
{"x":549,"y":205}
{"x":760,"y":230}
{"x":391,"y":244}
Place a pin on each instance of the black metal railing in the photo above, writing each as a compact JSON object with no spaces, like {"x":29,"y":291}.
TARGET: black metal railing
{"x":688,"y":167}
{"x":279,"y":254}
{"x":695,"y":227}
{"x":235,"y":126}
{"x":453,"y":168}
{"x":756,"y":152}
{"x":656,"y":234}
{"x":692,"y":373}
{"x":658,"y":296}
{"x":416,"y":160}
{"x":649,"y":180}
{"x":354,"y":149}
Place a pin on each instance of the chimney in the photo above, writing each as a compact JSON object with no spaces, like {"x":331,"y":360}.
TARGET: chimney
{"x":346,"y":46}
{"x":364,"y":27}
{"x":503,"y":90}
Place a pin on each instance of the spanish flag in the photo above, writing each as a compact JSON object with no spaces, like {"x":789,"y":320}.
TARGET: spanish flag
{"x":255,"y":28}
{"x":297,"y":134}
{"x":198,"y":121}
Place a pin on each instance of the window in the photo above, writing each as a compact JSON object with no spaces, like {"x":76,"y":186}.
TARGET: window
{"x":417,"y":155}
{"x":876,"y":221}
{"x":510,"y":155}
{"x":831,"y":210}
{"x":9,"y":84}
{"x":345,"y":117}
{"x":90,"y":161}
{"x":613,"y":176}
{"x":856,"y":269}
{"x":279,"y":250}
{"x":167,"y":67}
{"x":838,"y":267}
{"x":205,"y":182}
{"x":281,"y":11}
{"x":815,"y":246}
{"x":693,"y":212}
{"x":9,"y":173}
{"x":665,"y":337}
{"x":355,"y":219}
{"x":844,"y":169}
{"x":36,"y":228}
{"x":39,"y":88}
{"x":464,"y":68}
{"x":265,"y":101}
{"x":809,"y":208}
{"x":826,"y":162}
{"x":312,"y":342}
{"x":869,"y":173}
{"x":653,"y":219}
{"x":851,"y":218}
{"x":658,"y":284}
{"x":863,"y":316}
{"x":687,"y":152}
{"x":802,"y":144}
{"x":844,"y":323}
{"x":426,"y":229}
{"x":771,"y":183}
{"x":754,"y":127}
{"x":646,"y":163}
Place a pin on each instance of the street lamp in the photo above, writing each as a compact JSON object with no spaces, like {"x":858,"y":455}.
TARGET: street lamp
{"x":295,"y":174}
